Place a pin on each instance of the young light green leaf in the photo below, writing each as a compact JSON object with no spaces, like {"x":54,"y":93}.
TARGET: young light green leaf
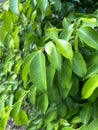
{"x":43,"y":4}
{"x":89,"y":36}
{"x":52,"y":33}
{"x":65,"y":48}
{"x":79,"y":64}
{"x":89,"y":87}
{"x":23,"y":118}
{"x":37,"y":71}
{"x":54,"y":55}
{"x":43,"y":102}
{"x":13,"y":6}
{"x":16,"y":109}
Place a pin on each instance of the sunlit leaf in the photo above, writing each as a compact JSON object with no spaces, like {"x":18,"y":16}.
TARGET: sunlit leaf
{"x":64,"y":48}
{"x":89,"y":36}
{"x":89,"y":86}
{"x":13,"y":5}
{"x":37,"y":71}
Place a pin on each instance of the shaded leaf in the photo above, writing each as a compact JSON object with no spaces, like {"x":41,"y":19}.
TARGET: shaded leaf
{"x":93,"y":125}
{"x":43,"y":102}
{"x":79,"y":64}
{"x":85,"y":113}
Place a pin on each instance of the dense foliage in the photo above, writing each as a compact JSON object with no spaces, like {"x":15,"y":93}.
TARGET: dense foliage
{"x":49,"y":64}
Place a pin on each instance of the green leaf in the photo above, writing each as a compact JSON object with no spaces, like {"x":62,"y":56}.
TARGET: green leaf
{"x":13,"y":6}
{"x":50,"y":115}
{"x":26,"y":66}
{"x":89,"y":36}
{"x":66,"y":34}
{"x":37,"y":71}
{"x":93,"y":69}
{"x":65,"y":79}
{"x":52,"y":33}
{"x":64,"y":122}
{"x":67,"y":128}
{"x":65,"y":48}
{"x":89,"y":87}
{"x":54,"y":55}
{"x":83,"y":127}
{"x":43,"y":102}
{"x":16,"y":109}
{"x":85,"y":113}
{"x":50,"y":75}
{"x":43,"y":4}
{"x":93,"y":125}
{"x":23,"y":118}
{"x":32,"y":95}
{"x":79,"y":64}
{"x":62,"y":110}
{"x":66,"y":23}
{"x":19,"y":94}
{"x":58,"y":4}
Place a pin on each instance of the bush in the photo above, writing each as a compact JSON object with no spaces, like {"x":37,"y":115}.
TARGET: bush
{"x":48,"y":64}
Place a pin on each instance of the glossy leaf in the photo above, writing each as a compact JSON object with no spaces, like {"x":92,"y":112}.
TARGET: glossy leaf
{"x":89,"y":36}
{"x":89,"y":86}
{"x":79,"y":64}
{"x":64,"y":48}
{"x":13,"y":5}
{"x":37,"y":71}
{"x":54,"y":55}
